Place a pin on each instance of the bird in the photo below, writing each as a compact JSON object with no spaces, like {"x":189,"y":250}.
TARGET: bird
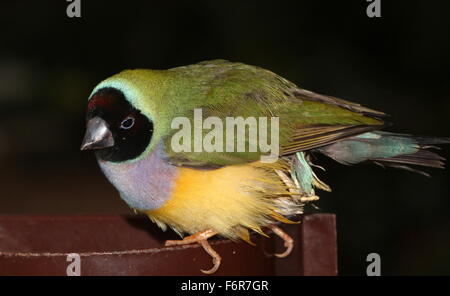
{"x":201,"y":192}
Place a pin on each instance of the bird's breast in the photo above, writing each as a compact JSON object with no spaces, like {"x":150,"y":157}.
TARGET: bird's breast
{"x":144,"y":184}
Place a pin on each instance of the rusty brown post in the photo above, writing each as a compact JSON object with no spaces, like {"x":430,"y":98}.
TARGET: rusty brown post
{"x":132,"y":245}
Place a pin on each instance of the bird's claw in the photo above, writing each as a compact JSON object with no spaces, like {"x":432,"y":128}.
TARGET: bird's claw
{"x":216,"y":257}
{"x":288,"y":241}
{"x":202,"y":239}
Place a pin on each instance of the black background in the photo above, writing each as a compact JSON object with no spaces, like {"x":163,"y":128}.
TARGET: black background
{"x":398,"y":63}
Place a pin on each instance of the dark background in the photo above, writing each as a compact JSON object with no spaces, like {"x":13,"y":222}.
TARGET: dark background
{"x":398,"y":63}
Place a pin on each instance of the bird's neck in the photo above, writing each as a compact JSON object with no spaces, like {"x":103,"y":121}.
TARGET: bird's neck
{"x":144,"y":184}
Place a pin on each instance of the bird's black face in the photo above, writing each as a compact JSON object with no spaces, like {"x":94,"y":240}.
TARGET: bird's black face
{"x":115,"y":129}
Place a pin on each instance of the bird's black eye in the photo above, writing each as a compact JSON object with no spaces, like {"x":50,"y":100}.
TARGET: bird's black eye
{"x":127,"y":123}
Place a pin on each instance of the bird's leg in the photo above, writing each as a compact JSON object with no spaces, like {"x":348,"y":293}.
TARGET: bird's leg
{"x":195,"y":238}
{"x":288,"y":241}
{"x":202,"y":239}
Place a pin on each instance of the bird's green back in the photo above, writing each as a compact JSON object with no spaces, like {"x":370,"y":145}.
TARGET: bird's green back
{"x":224,"y":89}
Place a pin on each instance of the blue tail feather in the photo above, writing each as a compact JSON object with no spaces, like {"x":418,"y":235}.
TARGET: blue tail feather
{"x":387,"y":149}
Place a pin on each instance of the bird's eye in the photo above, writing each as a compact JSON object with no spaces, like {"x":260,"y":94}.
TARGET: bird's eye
{"x":127,"y":123}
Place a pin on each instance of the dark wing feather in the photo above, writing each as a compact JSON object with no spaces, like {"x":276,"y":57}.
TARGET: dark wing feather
{"x":355,"y":107}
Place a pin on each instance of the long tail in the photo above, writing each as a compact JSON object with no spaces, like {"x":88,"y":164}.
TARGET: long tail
{"x":388,"y":149}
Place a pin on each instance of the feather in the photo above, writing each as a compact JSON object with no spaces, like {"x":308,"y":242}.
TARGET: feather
{"x":355,"y":107}
{"x":388,"y":149}
{"x":316,"y":136}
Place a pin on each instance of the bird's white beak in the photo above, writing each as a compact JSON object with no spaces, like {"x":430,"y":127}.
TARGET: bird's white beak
{"x":98,"y":135}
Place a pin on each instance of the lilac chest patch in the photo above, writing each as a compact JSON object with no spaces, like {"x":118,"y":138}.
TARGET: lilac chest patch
{"x":144,"y":184}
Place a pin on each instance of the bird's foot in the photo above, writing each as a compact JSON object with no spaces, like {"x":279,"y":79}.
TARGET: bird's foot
{"x":202,"y":239}
{"x":288,"y":241}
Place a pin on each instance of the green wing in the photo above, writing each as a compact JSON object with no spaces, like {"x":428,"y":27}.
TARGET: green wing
{"x":222,"y":89}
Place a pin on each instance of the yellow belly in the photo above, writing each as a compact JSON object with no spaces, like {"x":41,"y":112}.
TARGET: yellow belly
{"x":228,"y":200}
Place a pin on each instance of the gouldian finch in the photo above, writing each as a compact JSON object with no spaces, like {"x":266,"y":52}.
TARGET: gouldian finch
{"x":134,"y":120}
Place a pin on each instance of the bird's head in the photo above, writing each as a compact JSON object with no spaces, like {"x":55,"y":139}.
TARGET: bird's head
{"x":120,"y":117}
